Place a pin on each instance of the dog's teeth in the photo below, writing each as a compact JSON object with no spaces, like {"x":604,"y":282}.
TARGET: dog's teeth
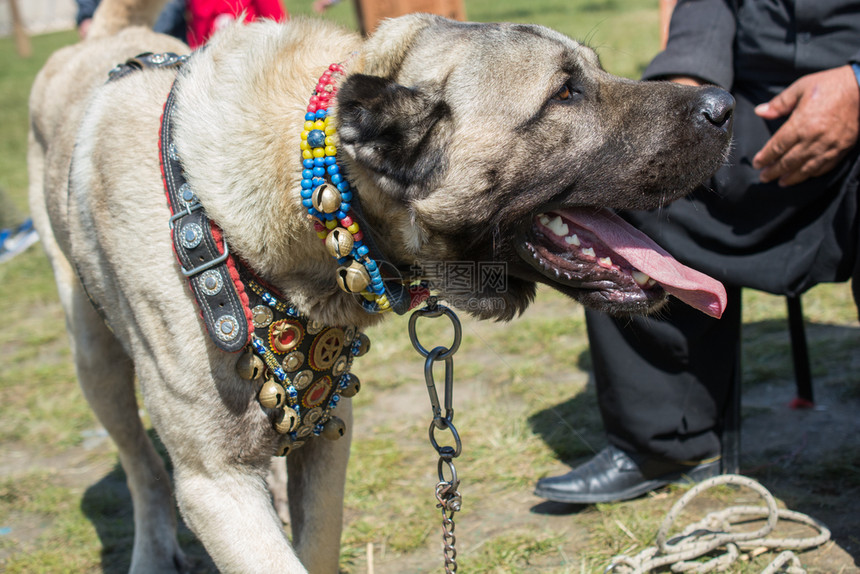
{"x":587,"y":251}
{"x":543,"y":218}
{"x":605,"y":262}
{"x":651,"y":283}
{"x":573,"y":240}
{"x":641,"y":278}
{"x":557,"y":226}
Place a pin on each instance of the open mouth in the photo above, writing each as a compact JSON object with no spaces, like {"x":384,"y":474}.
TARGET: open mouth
{"x":611,"y":264}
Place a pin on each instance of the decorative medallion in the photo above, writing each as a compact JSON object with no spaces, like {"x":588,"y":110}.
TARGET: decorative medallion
{"x":191,"y":235}
{"x":293,"y":361}
{"x":261,"y":316}
{"x":303,"y":379}
{"x":313,"y":416}
{"x":315,"y":327}
{"x":210,"y":282}
{"x":305,"y":375}
{"x":340,"y":366}
{"x":285,"y":335}
{"x":317,"y":393}
{"x":326,"y":348}
{"x":348,"y":335}
{"x":226,"y":327}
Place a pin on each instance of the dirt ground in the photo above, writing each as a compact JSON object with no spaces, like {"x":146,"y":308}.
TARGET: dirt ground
{"x":790,"y":451}
{"x":809,"y":459}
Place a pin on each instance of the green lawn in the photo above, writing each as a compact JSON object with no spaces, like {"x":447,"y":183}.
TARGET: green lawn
{"x":525,"y":403}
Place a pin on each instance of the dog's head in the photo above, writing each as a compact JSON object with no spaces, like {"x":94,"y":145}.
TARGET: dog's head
{"x":498,"y":148}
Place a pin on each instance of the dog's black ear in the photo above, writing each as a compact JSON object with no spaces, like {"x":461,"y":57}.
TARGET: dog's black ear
{"x":397,"y":133}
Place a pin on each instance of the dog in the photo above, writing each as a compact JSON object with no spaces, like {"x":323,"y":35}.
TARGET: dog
{"x":450,"y":142}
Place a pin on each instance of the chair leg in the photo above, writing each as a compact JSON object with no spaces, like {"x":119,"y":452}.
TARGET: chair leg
{"x":799,"y":354}
{"x":731,"y":432}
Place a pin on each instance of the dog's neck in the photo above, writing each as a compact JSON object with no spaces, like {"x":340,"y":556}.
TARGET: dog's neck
{"x":269,"y":227}
{"x":243,"y":166}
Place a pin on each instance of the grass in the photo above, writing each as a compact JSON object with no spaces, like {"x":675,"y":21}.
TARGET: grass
{"x":525,"y":403}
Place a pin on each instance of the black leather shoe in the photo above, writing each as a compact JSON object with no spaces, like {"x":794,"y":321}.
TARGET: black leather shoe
{"x":613,"y":475}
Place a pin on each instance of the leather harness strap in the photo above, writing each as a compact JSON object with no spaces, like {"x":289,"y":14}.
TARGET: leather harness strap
{"x":202,"y":251}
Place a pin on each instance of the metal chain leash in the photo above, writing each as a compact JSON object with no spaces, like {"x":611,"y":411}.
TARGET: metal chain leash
{"x":447,"y":495}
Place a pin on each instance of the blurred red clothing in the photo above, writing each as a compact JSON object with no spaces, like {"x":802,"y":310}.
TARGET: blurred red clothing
{"x":206,"y":16}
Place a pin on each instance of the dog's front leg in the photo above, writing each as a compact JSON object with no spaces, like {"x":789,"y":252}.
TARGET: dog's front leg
{"x":230,"y":511}
{"x":316,"y":479}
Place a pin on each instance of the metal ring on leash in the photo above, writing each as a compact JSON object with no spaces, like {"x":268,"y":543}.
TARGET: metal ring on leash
{"x":435,"y":310}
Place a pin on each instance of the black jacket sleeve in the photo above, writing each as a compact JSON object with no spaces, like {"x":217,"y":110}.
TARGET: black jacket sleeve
{"x":86,"y":9}
{"x":701,"y":43}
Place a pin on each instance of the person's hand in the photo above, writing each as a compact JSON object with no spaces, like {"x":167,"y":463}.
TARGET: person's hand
{"x":84,"y":27}
{"x":686,"y":80}
{"x":824,"y":115}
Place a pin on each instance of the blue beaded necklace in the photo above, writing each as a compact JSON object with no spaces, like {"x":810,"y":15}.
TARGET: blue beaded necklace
{"x":327,"y":195}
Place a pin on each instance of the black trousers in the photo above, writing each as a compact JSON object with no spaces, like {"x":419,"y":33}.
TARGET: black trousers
{"x":663,"y":381}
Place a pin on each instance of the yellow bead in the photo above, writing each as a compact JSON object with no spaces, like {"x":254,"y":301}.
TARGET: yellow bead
{"x":368,"y":295}
{"x":322,"y":234}
{"x":304,"y":145}
{"x":305,"y":134}
{"x":353,"y":228}
{"x":329,"y":130}
{"x":330,"y":140}
{"x":307,"y":154}
{"x":318,"y":152}
{"x":331,"y":223}
{"x":309,"y":125}
{"x":319,"y":124}
{"x":330,"y":150}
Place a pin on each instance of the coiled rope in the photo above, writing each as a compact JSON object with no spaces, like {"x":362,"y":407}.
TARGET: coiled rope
{"x":718,"y":530}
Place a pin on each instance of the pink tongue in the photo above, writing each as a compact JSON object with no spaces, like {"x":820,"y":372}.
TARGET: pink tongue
{"x":693,"y":288}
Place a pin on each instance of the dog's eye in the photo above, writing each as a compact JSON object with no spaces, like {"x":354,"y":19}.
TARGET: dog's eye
{"x":565,"y":93}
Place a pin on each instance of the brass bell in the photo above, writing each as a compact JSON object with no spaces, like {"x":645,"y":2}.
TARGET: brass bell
{"x":326,"y":198}
{"x":339,"y":242}
{"x":353,"y":278}
{"x":363,"y":345}
{"x":333,"y":429}
{"x":286,"y":421}
{"x":352,"y":387}
{"x":288,"y":445}
{"x":250,"y":366}
{"x":272,"y":394}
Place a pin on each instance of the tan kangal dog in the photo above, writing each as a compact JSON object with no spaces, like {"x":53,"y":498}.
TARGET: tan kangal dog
{"x":447,"y":142}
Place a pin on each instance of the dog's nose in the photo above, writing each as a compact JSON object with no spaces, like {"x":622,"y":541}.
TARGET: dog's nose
{"x":717,"y":106}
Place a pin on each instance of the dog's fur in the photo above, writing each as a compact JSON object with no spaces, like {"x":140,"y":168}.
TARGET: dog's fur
{"x":456,"y":135}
